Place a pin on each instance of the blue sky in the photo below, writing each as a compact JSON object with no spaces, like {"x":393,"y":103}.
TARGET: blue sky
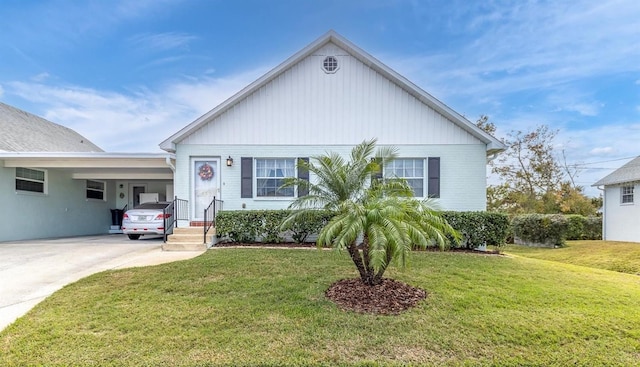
{"x":127,"y":74}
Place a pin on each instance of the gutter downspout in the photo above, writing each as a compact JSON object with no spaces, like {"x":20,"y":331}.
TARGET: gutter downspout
{"x":604,"y":212}
{"x":167,"y":160}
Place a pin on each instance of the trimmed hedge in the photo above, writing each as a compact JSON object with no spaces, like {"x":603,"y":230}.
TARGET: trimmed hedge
{"x":541,"y":230}
{"x":264,"y":225}
{"x":584,"y":228}
{"x":477,"y":228}
{"x":550,"y":230}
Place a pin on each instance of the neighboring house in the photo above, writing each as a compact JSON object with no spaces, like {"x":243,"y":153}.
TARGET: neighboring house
{"x":54,"y":182}
{"x":329,"y":96}
{"x":621,"y":207}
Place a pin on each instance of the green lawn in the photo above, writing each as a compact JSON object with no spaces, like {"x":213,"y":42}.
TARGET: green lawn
{"x":616,"y":256}
{"x":266,"y":307}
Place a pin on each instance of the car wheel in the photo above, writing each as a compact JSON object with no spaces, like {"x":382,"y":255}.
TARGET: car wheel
{"x":133,"y":236}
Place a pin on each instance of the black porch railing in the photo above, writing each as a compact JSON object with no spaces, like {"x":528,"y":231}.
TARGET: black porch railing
{"x":210,"y":214}
{"x":177,"y":210}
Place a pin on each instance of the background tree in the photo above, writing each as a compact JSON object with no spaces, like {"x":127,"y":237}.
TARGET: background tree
{"x":381,"y":212}
{"x":532,"y":178}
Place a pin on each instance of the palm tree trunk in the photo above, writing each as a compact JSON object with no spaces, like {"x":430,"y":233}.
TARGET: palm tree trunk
{"x":357,"y":260}
{"x":370,"y":274}
{"x":377,"y":279}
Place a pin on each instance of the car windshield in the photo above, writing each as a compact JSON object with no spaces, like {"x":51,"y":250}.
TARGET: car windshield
{"x":152,"y":206}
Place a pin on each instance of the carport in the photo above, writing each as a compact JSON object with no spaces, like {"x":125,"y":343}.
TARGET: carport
{"x":74,"y":192}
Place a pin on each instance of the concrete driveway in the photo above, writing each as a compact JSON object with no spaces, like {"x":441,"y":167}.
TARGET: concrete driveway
{"x":32,"y":270}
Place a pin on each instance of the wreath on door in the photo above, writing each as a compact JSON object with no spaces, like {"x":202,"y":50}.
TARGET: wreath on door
{"x":205,"y":172}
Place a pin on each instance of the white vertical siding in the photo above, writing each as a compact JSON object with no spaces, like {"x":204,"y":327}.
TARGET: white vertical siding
{"x":306,"y":106}
{"x":621,"y":221}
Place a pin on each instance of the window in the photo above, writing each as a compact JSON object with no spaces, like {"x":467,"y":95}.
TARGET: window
{"x":330,"y":64}
{"x":270,"y":175}
{"x":412,"y":170}
{"x":626,"y":194}
{"x":31,"y":180}
{"x":95,"y":190}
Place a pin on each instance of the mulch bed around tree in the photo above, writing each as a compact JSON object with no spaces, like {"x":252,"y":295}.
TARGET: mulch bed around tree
{"x":391,"y":297}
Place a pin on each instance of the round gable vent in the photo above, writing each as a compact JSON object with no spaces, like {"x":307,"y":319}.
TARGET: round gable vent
{"x":330,"y":64}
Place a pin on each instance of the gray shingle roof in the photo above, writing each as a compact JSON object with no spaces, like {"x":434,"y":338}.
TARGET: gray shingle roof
{"x":630,"y":172}
{"x":21,"y":131}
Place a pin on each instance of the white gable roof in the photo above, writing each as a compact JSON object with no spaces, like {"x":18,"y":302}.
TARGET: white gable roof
{"x":493,"y":145}
{"x":25,"y":132}
{"x":630,"y":172}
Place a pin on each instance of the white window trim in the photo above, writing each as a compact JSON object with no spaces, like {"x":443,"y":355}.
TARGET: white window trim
{"x":330,"y":71}
{"x":104,"y":190}
{"x":424,"y":174}
{"x":273,"y":198}
{"x":45,"y":183}
{"x":622,"y":194}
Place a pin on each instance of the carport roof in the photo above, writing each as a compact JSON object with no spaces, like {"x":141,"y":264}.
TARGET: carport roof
{"x":97,"y":165}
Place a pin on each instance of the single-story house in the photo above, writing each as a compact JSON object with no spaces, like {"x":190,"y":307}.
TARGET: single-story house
{"x":620,"y":209}
{"x":329,"y":96}
{"x":55,"y":183}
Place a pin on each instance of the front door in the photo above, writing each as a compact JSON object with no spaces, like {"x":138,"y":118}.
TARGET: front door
{"x":205,"y":174}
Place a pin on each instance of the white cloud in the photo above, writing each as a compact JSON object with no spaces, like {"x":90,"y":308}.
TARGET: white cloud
{"x":531,"y":46}
{"x":61,"y":25}
{"x":162,"y":41}
{"x":40,"y":77}
{"x":584,"y":109}
{"x":600,"y":151}
{"x":135,"y":122}
{"x":1,"y":91}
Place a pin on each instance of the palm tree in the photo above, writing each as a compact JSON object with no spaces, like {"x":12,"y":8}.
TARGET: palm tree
{"x":382,"y":213}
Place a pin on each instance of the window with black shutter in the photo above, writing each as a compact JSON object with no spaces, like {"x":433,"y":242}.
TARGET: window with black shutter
{"x":434,"y":177}
{"x":246,"y":179}
{"x":303,"y":174}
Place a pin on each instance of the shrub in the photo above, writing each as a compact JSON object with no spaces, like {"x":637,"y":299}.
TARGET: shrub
{"x":575,"y":228}
{"x":592,"y":228}
{"x":479,"y":228}
{"x":250,"y":225}
{"x":264,"y":225}
{"x":540,"y":229}
{"x":309,"y":224}
{"x":584,"y":228}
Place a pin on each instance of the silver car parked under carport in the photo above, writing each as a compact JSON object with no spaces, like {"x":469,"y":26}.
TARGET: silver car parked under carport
{"x":146,"y":219}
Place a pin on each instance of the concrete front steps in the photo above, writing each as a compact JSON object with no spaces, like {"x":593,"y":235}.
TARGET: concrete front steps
{"x":188,"y":239}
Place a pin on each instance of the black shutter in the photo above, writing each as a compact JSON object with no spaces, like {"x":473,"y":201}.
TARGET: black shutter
{"x":303,"y":174}
{"x":434,"y":177}
{"x":246,"y":179}
{"x":377,"y":175}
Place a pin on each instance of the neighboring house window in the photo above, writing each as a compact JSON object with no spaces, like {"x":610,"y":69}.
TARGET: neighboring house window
{"x":412,"y":170}
{"x":95,"y":190}
{"x":31,"y":180}
{"x":270,"y":175}
{"x":626,"y":194}
{"x":330,"y":64}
